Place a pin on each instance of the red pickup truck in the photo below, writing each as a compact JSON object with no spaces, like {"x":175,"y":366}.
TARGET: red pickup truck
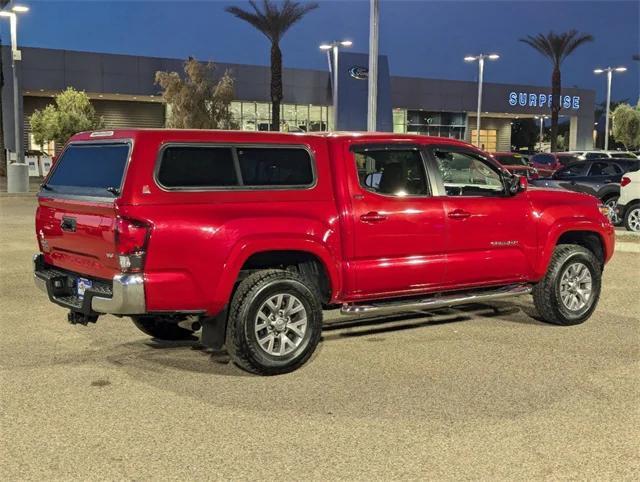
{"x":251,"y":235}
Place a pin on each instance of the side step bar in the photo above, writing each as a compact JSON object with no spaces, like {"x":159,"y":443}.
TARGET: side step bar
{"x":436,"y":301}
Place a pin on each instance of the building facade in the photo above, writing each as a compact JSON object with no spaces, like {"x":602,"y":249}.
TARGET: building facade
{"x":122,"y":89}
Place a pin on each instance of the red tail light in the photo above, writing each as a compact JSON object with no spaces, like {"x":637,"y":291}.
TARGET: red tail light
{"x":625,"y":180}
{"x":131,"y":244}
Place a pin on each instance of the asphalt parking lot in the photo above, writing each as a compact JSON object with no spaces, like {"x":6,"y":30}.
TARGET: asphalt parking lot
{"x":484,"y":392}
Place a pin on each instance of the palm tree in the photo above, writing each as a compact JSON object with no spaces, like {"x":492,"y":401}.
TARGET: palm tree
{"x":556,"y":47}
{"x":273,"y":22}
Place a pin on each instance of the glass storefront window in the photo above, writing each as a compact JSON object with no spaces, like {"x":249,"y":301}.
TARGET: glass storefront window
{"x":256,"y":116}
{"x":488,"y":139}
{"x":263,"y":113}
{"x":399,"y":120}
{"x":248,"y":116}
{"x":440,"y":124}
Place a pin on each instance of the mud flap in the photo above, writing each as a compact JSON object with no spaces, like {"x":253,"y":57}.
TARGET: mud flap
{"x":214,"y":331}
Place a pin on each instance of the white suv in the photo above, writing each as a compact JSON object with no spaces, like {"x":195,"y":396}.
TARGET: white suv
{"x":628,"y":207}
{"x":588,"y":155}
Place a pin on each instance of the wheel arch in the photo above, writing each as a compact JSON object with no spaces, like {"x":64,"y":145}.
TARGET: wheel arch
{"x":311,"y":258}
{"x":582,"y":235}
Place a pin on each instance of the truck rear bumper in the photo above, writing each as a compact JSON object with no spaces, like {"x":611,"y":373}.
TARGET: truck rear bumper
{"x":123,"y":295}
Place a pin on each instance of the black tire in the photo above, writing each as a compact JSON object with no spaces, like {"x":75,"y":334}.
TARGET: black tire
{"x":162,"y":328}
{"x":610,"y":202}
{"x":631,"y":216}
{"x":251,"y":296}
{"x":546,"y":294}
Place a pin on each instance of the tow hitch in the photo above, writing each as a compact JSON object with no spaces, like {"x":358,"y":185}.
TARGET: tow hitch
{"x":76,"y":317}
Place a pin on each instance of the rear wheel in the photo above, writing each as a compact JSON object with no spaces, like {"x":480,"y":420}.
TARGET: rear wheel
{"x":569,"y":292}
{"x":162,"y":328}
{"x":632,"y":218}
{"x":275,"y":322}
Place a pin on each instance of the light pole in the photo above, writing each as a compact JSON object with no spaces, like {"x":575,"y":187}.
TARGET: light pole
{"x":609,"y":71}
{"x":542,"y":119}
{"x":480,"y":58}
{"x":372,"y":109}
{"x":17,"y":175}
{"x":333,"y":50}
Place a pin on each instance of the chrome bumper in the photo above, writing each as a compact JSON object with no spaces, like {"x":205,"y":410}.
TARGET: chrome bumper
{"x":127,"y":294}
{"x":127,"y":299}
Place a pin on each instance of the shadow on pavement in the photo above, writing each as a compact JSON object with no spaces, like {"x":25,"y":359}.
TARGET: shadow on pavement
{"x":163,"y":353}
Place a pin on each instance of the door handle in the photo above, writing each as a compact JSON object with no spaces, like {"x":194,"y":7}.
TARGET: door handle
{"x":459,"y":214}
{"x":373,"y":217}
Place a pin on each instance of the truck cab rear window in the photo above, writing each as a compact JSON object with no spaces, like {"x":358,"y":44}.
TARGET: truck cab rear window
{"x":193,"y":166}
{"x":219,"y":167}
{"x":94,"y":169}
{"x":275,"y":166}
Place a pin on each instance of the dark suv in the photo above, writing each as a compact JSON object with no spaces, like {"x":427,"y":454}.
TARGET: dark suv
{"x":600,"y":178}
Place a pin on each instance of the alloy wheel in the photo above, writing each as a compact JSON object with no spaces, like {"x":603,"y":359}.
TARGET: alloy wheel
{"x":613,"y":215}
{"x":281,"y":324}
{"x":576,"y":289}
{"x":633,"y":219}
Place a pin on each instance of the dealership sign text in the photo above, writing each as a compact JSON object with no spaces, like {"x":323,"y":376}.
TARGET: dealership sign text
{"x":525,"y":99}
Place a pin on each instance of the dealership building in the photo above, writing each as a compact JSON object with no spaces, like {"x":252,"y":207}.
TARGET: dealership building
{"x":122,"y":89}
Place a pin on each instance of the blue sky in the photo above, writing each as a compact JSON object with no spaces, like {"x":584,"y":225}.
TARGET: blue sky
{"x":421,"y":38}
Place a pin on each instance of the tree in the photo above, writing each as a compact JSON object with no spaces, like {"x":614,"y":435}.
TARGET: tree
{"x":72,"y":113}
{"x":274,"y":22}
{"x":198,"y":101}
{"x":626,"y":125}
{"x":556,"y":47}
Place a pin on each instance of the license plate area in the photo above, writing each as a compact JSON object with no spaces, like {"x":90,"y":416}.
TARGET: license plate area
{"x":83,"y":284}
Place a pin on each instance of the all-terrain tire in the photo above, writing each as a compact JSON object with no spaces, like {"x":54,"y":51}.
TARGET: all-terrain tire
{"x":161,"y":328}
{"x":546,"y":293}
{"x":246,"y":308}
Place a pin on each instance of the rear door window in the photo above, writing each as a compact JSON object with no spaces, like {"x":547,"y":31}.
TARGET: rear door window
{"x":197,"y":166}
{"x":90,"y":168}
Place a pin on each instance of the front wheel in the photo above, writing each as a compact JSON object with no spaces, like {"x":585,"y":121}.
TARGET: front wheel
{"x":569,"y":292}
{"x":275,"y":322}
{"x":632,"y":218}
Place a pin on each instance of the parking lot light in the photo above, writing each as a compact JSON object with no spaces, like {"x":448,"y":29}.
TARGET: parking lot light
{"x":609,"y":71}
{"x":480,"y":58}
{"x":18,"y":180}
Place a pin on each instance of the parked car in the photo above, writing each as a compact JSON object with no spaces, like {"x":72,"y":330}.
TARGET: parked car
{"x":251,"y":234}
{"x":547,"y":163}
{"x":628,"y":208}
{"x":600,"y":178}
{"x":516,"y":164}
{"x":590,"y":155}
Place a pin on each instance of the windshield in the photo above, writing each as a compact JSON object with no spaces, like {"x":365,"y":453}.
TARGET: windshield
{"x":511,"y":159}
{"x":95,"y":169}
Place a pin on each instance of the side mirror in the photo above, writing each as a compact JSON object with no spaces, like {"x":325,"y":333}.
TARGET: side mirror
{"x":518,"y":184}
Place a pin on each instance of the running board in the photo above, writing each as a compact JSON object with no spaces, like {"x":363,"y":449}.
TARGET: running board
{"x":436,"y":301}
